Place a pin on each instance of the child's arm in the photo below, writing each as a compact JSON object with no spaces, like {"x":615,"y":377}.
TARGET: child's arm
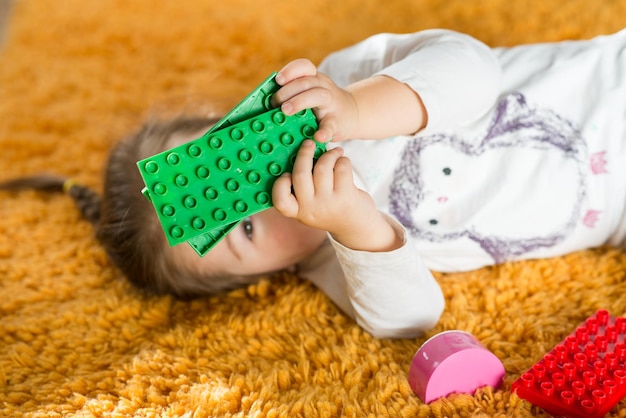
{"x":389,"y":294}
{"x":394,"y":84}
{"x":380,"y":279}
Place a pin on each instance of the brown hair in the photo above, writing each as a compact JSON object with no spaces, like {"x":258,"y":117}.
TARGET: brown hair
{"x":124,"y":220}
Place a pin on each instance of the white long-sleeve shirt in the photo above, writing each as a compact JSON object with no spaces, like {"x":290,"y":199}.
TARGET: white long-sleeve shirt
{"x":523,"y":156}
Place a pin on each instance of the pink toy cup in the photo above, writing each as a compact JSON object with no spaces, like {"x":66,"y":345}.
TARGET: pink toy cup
{"x":453,"y":362}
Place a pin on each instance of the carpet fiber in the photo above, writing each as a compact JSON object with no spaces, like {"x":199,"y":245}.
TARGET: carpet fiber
{"x":76,"y":340}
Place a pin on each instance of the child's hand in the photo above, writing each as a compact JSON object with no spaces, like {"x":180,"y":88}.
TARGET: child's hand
{"x":304,"y":87}
{"x":325,"y":197}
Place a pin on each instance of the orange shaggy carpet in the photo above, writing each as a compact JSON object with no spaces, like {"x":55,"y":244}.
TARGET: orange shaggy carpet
{"x":77,"y":340}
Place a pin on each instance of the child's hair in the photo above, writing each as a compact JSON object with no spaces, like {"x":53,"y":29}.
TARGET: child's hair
{"x":124,"y":220}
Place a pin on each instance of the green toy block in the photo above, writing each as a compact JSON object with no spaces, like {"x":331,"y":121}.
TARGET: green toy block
{"x":202,"y":189}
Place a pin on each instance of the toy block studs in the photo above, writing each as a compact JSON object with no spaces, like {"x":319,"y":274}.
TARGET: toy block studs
{"x":584,"y":376}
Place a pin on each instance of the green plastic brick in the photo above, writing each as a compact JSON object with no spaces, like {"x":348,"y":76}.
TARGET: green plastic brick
{"x":201,"y":189}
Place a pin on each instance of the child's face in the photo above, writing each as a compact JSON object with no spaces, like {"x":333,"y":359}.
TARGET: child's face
{"x":263,"y":243}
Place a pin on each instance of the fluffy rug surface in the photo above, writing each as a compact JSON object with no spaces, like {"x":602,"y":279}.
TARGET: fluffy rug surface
{"x":77,"y":340}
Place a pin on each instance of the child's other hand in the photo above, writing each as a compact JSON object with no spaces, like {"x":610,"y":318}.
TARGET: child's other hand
{"x":325,"y":197}
{"x":304,"y":87}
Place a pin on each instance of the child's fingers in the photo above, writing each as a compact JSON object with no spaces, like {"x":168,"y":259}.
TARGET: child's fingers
{"x":283,"y":200}
{"x":324,"y":171}
{"x":301,"y":67}
{"x":343,"y":175}
{"x":302,"y":171}
{"x":327,"y":129}
{"x":300,"y":94}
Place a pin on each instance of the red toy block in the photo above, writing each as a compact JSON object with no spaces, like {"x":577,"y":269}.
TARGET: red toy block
{"x":584,"y":376}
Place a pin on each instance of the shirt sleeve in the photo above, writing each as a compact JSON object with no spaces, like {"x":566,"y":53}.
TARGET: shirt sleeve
{"x":389,"y":294}
{"x":457,"y":77}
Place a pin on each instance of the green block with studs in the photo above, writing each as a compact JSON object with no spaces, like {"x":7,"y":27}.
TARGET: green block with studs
{"x":202,"y":189}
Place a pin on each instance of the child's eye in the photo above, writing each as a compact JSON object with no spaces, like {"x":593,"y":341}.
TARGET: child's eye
{"x":246,"y":223}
